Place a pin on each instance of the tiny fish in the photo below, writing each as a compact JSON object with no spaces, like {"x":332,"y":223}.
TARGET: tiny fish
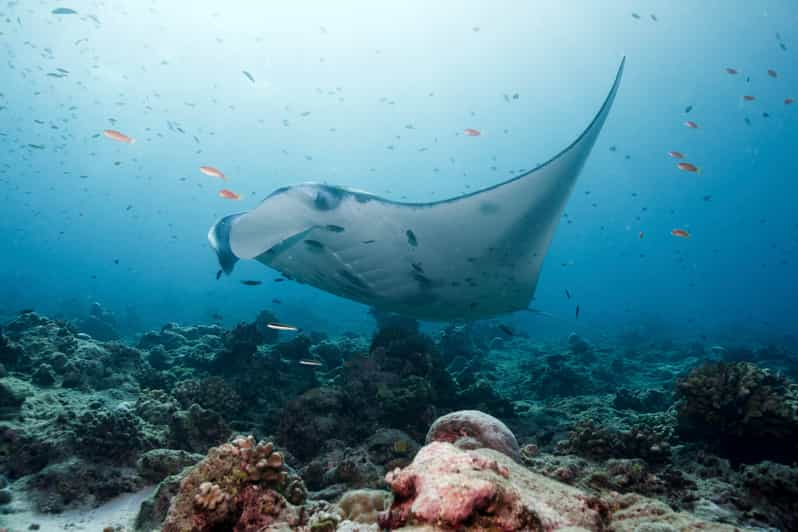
{"x":248,"y":282}
{"x":640,"y":235}
{"x":707,"y":197}
{"x":772,"y":73}
{"x":676,"y":154}
{"x":613,"y":148}
{"x":334,"y":228}
{"x":688,"y":108}
{"x":577,"y":311}
{"x":277,"y":301}
{"x":681,"y":233}
{"x":282,"y":327}
{"x":248,"y":75}
{"x":691,"y":124}
{"x":788,"y":101}
{"x":309,"y":363}
{"x":748,"y":98}
{"x":411,"y":238}
{"x":783,"y":46}
{"x":654,"y":17}
{"x":567,"y":294}
{"x":506,"y":330}
{"x":119,"y":137}
{"x":228,"y":194}
{"x":687,"y":167}
{"x":470,"y":132}
{"x":212,"y":172}
{"x":635,"y":16}
{"x":218,"y":275}
{"x":36,"y":146}
{"x":732,"y":71}
{"x":64,"y":11}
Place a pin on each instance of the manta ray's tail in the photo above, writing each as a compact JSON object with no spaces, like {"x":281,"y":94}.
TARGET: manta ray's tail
{"x":219,"y":237}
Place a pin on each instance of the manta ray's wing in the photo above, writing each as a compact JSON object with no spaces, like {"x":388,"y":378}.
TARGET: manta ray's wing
{"x":468,"y":257}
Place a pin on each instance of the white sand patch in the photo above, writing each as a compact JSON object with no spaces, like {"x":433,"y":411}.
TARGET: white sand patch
{"x":118,"y":513}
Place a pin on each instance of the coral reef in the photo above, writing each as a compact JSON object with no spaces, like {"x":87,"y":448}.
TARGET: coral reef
{"x":83,"y":420}
{"x":740,"y":410}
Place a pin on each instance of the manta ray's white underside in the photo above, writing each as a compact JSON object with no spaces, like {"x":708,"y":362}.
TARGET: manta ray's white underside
{"x":468,"y":257}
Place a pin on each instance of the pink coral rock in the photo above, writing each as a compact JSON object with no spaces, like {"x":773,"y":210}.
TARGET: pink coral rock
{"x":451,"y":488}
{"x":472,"y":429}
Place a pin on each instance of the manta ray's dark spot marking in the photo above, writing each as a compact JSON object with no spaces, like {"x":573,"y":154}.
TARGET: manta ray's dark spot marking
{"x":416,"y":266}
{"x":487,"y":207}
{"x":352,"y":278}
{"x":411,"y":238}
{"x":362,"y":198}
{"x":314,"y":245}
{"x":327,"y":198}
{"x":334,"y":228}
{"x":368,"y":241}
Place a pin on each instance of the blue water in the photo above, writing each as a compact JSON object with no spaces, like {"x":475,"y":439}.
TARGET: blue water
{"x":365,"y":71}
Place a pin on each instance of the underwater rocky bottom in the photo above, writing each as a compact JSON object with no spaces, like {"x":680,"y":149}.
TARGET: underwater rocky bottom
{"x":249,"y":430}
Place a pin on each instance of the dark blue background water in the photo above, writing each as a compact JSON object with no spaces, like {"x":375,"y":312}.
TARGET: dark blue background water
{"x":365,"y":71}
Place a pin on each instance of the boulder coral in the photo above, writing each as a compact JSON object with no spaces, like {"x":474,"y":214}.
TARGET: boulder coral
{"x":472,"y":429}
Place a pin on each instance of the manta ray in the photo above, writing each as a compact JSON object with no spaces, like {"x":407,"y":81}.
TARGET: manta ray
{"x":469,"y":257}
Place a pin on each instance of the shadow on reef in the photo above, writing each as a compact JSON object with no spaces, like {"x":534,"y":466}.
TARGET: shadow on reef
{"x":83,"y":420}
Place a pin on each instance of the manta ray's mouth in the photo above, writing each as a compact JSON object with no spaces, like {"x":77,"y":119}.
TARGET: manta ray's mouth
{"x":219,"y":238}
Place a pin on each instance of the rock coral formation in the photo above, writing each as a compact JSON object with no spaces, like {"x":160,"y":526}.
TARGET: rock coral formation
{"x":740,"y":410}
{"x":472,"y":429}
{"x":241,"y":485}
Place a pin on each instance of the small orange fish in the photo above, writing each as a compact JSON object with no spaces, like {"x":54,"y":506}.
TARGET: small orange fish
{"x":213,"y":172}
{"x":471,"y":132}
{"x":772,"y":73}
{"x":691,"y":124}
{"x":749,"y":98}
{"x":731,"y":71}
{"x":228,"y":194}
{"x":687,"y":167}
{"x":788,"y":101}
{"x":681,"y":233}
{"x":119,"y":137}
{"x":676,"y":154}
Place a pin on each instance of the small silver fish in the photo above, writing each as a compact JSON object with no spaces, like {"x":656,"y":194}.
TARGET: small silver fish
{"x":282,"y":327}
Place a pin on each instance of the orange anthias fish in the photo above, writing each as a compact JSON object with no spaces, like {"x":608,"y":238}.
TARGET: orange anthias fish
{"x":119,"y":137}
{"x":228,"y":194}
{"x":687,"y":167}
{"x":681,"y":233}
{"x":691,"y":124}
{"x":471,"y":132}
{"x":676,"y":154}
{"x":731,"y":71}
{"x":772,"y":73}
{"x":788,"y":101}
{"x":213,"y":172}
{"x":749,"y":98}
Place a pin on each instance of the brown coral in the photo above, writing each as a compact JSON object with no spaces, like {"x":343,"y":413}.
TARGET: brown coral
{"x":227,"y":487}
